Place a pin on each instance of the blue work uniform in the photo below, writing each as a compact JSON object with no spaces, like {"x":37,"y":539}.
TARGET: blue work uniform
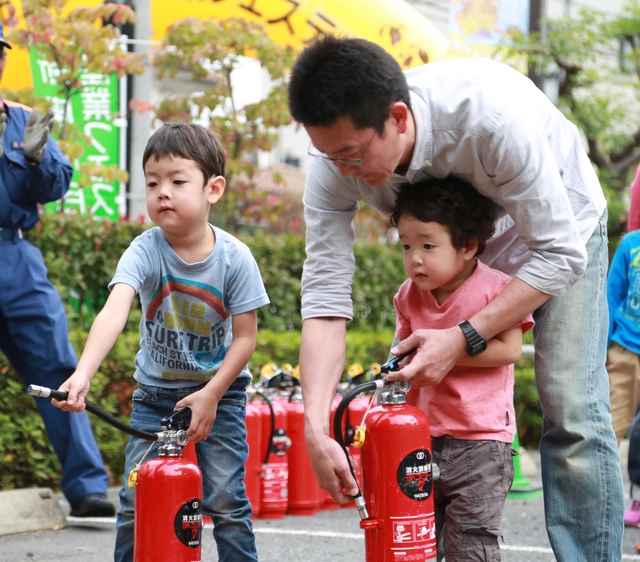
{"x":33,"y":326}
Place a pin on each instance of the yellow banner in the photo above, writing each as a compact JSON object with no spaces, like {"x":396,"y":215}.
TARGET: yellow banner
{"x":17,"y":73}
{"x":393,"y":24}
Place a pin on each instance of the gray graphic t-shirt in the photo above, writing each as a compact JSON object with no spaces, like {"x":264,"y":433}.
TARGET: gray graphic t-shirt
{"x":185,"y":330}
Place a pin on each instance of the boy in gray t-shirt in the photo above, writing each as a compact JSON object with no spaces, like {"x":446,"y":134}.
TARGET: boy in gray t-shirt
{"x":199,"y":289}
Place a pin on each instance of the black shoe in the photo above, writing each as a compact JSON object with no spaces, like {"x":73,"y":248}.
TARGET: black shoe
{"x":93,"y":505}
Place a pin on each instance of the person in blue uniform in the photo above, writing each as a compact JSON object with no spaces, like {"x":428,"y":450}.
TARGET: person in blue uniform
{"x":33,"y":327}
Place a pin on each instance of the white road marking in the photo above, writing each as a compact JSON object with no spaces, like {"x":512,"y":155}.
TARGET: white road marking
{"x":359,"y":536}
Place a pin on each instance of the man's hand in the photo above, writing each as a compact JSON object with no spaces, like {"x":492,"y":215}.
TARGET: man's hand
{"x":436,"y":353}
{"x":36,"y":135}
{"x":331,"y":468}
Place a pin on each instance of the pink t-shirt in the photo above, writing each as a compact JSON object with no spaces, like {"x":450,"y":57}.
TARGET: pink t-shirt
{"x":470,"y":402}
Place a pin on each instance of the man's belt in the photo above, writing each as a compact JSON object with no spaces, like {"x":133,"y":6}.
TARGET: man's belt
{"x":10,"y":234}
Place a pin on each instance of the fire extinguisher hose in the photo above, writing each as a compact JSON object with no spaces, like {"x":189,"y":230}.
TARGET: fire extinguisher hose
{"x":273,"y":423}
{"x":340,"y":410}
{"x":393,"y":364}
{"x":44,"y":392}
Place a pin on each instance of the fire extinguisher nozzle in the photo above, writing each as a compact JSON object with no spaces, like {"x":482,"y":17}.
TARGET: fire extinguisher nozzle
{"x":362,"y":508}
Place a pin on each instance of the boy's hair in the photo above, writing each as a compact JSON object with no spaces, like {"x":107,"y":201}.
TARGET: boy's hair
{"x":451,"y":202}
{"x":340,"y":77}
{"x":188,"y":141}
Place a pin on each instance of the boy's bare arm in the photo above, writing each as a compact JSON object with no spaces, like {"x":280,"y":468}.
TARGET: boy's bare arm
{"x":503,"y":349}
{"x":203,"y":403}
{"x":106,"y":328}
{"x":245,"y":329}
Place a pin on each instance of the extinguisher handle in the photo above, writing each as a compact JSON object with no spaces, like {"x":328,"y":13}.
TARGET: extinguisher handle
{"x":393,"y":363}
{"x":44,"y":392}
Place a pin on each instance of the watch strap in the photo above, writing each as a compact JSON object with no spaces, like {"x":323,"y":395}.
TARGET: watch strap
{"x":475,"y":342}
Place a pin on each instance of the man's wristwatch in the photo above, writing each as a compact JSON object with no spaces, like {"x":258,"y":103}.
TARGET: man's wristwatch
{"x":475,"y":342}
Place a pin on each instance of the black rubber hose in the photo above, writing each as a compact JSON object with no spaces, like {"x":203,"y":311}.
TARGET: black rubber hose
{"x":337,"y":420}
{"x":118,"y":424}
{"x":273,"y":425}
{"x":99,"y":412}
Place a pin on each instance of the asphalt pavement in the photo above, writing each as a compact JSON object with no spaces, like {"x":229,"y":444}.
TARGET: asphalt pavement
{"x":328,"y":535}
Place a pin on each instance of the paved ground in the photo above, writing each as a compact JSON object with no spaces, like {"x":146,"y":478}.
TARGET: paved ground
{"x":329,"y":535}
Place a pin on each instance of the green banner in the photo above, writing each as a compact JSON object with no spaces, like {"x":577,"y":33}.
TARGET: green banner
{"x":93,"y":110}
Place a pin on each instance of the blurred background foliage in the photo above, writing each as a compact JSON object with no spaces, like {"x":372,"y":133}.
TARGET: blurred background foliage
{"x":82,"y":253}
{"x":81,"y":40}
{"x":593,"y":61}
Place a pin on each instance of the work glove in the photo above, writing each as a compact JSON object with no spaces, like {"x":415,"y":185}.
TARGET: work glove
{"x":36,"y":135}
{"x":3,"y":127}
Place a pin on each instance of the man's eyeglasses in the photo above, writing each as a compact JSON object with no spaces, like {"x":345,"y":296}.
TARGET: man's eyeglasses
{"x":356,"y":162}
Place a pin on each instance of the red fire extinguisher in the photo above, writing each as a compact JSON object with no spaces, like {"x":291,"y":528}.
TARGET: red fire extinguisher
{"x":397,"y":505}
{"x":253,"y":466}
{"x":304,"y":489}
{"x":355,"y":415}
{"x":168,"y":518}
{"x":275,"y":468}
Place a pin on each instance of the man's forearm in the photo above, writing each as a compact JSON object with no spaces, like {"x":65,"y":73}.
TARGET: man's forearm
{"x":513,"y":304}
{"x":322,"y":356}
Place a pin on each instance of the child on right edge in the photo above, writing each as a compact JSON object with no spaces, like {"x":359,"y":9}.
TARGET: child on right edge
{"x":623,"y":355}
{"x":443,"y":225}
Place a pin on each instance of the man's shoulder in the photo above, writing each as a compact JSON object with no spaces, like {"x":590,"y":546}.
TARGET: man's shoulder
{"x":456,"y":69}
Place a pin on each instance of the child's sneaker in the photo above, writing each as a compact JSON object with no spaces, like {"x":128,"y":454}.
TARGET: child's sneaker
{"x":632,"y":514}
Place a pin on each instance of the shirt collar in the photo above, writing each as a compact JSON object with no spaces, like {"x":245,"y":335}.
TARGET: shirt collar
{"x":423,"y":144}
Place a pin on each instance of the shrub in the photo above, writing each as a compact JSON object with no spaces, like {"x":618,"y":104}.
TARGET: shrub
{"x":82,"y":254}
{"x":28,"y":460}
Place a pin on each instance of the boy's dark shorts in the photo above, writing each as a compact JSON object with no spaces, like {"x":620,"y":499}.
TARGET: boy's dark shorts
{"x":475,"y":477}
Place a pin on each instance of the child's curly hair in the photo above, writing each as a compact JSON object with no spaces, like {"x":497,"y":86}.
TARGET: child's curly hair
{"x":451,"y":202}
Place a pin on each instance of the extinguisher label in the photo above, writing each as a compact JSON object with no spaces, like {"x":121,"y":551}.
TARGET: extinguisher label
{"x":188,"y":523}
{"x":414,"y":538}
{"x":414,"y":475}
{"x":280,"y":443}
{"x":275,"y":482}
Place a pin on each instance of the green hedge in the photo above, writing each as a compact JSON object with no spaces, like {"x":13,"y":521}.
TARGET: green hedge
{"x":26,"y":458}
{"x":81,"y":255}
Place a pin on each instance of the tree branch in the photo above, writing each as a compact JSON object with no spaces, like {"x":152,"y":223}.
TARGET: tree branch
{"x":630,"y":148}
{"x":629,"y":161}
{"x":596,"y":155}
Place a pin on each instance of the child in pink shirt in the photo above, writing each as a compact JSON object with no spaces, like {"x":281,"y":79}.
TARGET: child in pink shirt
{"x":443,"y":225}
